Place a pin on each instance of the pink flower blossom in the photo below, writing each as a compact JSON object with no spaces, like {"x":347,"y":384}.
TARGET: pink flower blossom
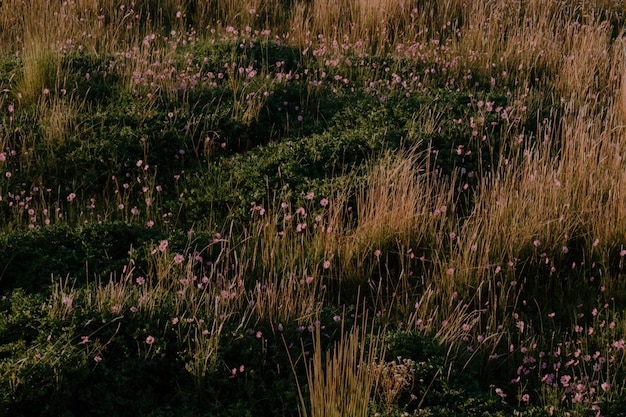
{"x":67,"y":301}
{"x":150,"y":340}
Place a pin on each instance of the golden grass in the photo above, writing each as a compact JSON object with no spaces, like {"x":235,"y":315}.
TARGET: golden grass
{"x":41,"y":70}
{"x":343,"y":380}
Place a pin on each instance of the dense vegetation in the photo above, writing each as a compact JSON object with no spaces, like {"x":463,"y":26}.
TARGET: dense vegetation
{"x":315,"y":208}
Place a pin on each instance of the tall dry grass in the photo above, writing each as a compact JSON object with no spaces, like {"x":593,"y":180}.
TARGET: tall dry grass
{"x":555,"y":198}
{"x":342,"y":381}
{"x":41,"y":71}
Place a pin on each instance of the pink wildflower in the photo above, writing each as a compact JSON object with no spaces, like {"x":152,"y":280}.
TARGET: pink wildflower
{"x":67,"y":301}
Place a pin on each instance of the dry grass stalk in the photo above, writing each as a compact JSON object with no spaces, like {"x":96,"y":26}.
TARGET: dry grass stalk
{"x":342,"y":381}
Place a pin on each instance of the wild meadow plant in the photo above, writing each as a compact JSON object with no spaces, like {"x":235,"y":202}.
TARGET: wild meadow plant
{"x":344,"y":382}
{"x":405,"y":208}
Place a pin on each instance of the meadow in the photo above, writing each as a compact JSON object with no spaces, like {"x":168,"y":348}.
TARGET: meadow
{"x":312,"y":208}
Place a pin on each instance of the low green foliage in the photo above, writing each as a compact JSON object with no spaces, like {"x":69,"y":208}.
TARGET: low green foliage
{"x":33,"y":259}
